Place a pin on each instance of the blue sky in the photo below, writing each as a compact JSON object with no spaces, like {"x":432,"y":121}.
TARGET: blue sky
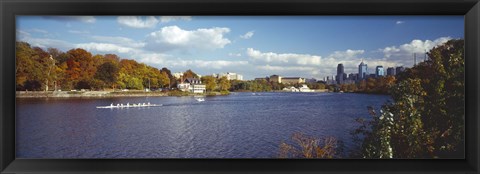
{"x":254,"y":46}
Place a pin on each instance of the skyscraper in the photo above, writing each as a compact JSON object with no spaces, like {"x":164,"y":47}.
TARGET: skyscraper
{"x":399,"y":69}
{"x":362,"y":70}
{"x":379,"y":71}
{"x":340,"y":72}
{"x":390,"y":71}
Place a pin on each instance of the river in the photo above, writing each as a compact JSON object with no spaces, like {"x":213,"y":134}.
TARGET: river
{"x":240,"y":125}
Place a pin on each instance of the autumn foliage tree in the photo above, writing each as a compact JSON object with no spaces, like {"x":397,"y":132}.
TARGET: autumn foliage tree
{"x":210,"y":83}
{"x":189,"y":74}
{"x":310,"y":147}
{"x":107,"y":72}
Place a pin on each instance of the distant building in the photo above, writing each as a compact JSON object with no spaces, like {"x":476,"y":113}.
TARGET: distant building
{"x":379,"y":71}
{"x":362,"y":70}
{"x":262,"y":79}
{"x":340,"y":69}
{"x":275,"y":78}
{"x":193,"y":85}
{"x":312,"y":80}
{"x":399,"y":69}
{"x":353,"y":76}
{"x":292,"y":80}
{"x":229,"y":75}
{"x":330,"y":81}
{"x":340,"y":73}
{"x":177,"y":75}
{"x":390,"y":71}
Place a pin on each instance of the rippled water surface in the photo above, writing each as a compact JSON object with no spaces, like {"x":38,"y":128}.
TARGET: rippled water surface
{"x":241,"y":125}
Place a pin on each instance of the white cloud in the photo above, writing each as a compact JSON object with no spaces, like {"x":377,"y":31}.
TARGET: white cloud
{"x":105,"y":47}
{"x":165,"y":19}
{"x":285,"y":68}
{"x":215,"y":64}
{"x":348,"y":54}
{"x":175,"y":38}
{"x":153,"y":58}
{"x":290,"y":58}
{"x":138,"y":21}
{"x":167,"y":60}
{"x":123,"y":41}
{"x":403,"y":54}
{"x":400,"y":22}
{"x":43,"y":43}
{"x":247,"y":35}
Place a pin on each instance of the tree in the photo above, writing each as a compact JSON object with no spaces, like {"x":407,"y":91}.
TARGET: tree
{"x":371,"y":84}
{"x":24,"y":65}
{"x":189,"y":74}
{"x":362,"y":86}
{"x":58,"y":55}
{"x":165,"y":80}
{"x":172,"y":81}
{"x":209,"y":82}
{"x":310,"y":147}
{"x":107,"y":72}
{"x":44,"y":66}
{"x":223,"y":83}
{"x":113,"y":58}
{"x":81,"y":66}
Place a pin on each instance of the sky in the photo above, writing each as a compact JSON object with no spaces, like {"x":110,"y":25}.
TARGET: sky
{"x":253,"y":46}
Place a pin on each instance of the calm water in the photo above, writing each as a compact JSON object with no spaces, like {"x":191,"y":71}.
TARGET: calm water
{"x":241,"y":125}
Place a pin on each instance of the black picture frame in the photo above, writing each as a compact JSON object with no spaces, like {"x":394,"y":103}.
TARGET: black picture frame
{"x":10,"y":8}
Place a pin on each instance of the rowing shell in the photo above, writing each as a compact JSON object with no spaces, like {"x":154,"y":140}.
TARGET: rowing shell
{"x":130,"y":106}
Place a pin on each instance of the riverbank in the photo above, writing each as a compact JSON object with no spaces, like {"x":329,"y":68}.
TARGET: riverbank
{"x":74,"y":94}
{"x":131,"y":93}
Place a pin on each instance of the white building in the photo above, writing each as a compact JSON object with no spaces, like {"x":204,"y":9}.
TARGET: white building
{"x":305,"y":88}
{"x":177,"y":75}
{"x":192,"y":85}
{"x":291,"y":89}
{"x":229,"y":75}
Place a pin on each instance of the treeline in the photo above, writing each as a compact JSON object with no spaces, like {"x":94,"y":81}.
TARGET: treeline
{"x":266,"y":86}
{"x":38,"y":69}
{"x":378,"y":85}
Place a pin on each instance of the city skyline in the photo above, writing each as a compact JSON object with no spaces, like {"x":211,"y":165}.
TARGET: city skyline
{"x":309,"y":47}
